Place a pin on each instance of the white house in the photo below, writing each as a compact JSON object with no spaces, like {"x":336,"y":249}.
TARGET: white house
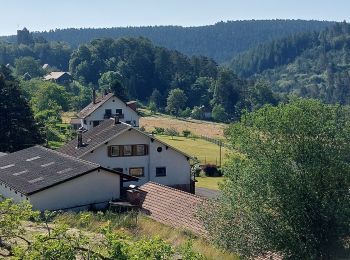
{"x":50,"y":180}
{"x":107,"y":106}
{"x":119,"y":146}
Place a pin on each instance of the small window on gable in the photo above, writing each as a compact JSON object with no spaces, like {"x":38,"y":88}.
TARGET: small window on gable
{"x":137,"y":172}
{"x":160,"y":171}
{"x":119,"y":112}
{"x":108,"y":112}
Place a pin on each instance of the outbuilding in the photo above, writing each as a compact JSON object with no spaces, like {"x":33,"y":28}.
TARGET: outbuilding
{"x":50,"y":180}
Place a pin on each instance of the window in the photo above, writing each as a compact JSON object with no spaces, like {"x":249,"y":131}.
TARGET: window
{"x":160,"y":171}
{"x":159,"y":149}
{"x":95,"y":123}
{"x":136,"y":172}
{"x":140,"y":149}
{"x":119,"y":112}
{"x":127,"y":150}
{"x":115,"y":150}
{"x":108,"y":112}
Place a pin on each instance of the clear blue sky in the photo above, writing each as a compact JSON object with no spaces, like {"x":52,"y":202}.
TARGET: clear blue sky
{"x":38,"y":15}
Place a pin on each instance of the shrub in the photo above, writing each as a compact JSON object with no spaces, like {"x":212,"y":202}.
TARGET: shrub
{"x":159,"y":130}
{"x":186,"y":133}
{"x":211,"y":170}
{"x":143,"y":129}
{"x":185,"y":113}
{"x":171,"y":131}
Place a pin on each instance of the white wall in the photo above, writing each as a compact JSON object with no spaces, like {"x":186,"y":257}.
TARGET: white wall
{"x":98,"y":114}
{"x":8,"y":192}
{"x":177,"y":166}
{"x":97,"y":186}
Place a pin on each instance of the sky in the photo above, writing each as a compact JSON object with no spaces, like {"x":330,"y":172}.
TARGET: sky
{"x":39,"y":15}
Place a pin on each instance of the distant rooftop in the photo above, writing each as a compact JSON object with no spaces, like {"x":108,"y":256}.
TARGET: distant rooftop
{"x":55,"y":75}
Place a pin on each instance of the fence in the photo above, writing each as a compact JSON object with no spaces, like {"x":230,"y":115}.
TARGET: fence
{"x":215,"y":141}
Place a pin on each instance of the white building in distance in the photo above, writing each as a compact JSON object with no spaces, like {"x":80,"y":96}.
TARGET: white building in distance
{"x":104,"y":107}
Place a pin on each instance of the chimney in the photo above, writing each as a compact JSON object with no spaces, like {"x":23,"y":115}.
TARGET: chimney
{"x":94,"y":96}
{"x":134,"y":196}
{"x":80,"y":139}
{"x":116,"y":120}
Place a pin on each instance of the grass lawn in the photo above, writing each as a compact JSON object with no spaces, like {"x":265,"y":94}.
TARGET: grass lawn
{"x":209,"y":182}
{"x":205,"y":151}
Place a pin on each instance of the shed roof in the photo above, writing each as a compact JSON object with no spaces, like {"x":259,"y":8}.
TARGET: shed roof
{"x":171,"y":206}
{"x":37,"y":168}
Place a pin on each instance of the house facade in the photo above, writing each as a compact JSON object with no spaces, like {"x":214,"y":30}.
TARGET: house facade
{"x":121,"y":147}
{"x":50,"y":180}
{"x":105,"y":107}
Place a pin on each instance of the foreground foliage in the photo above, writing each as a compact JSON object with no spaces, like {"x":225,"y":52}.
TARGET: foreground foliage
{"x":18,"y":129}
{"x":289,"y":192}
{"x":58,"y":241}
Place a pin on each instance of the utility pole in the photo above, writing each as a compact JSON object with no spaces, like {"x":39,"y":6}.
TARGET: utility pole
{"x":220,"y":144}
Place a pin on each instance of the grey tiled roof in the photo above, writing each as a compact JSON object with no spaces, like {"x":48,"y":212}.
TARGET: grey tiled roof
{"x":31,"y":170}
{"x":37,"y":168}
{"x":94,"y":138}
{"x":92,"y":107}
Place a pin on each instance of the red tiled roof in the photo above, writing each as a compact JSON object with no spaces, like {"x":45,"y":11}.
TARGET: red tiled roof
{"x":171,"y":206}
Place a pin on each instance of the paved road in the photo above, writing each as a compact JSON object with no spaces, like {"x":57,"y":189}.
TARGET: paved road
{"x":206,"y":193}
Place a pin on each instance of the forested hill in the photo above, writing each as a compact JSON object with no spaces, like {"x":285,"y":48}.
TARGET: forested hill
{"x":221,"y":41}
{"x":314,"y":65}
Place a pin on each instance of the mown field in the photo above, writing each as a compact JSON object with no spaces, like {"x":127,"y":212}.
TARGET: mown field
{"x":209,"y":182}
{"x":204,"y":151}
{"x":197,"y":127}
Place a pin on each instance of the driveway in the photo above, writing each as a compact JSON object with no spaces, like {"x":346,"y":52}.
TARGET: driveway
{"x":206,"y":193}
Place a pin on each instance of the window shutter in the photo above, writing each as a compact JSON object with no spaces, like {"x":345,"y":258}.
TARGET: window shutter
{"x":146,"y":149}
{"x":109,"y":150}
{"x":134,"y":151}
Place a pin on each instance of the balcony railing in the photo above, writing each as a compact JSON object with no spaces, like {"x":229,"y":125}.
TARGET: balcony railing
{"x":106,"y":116}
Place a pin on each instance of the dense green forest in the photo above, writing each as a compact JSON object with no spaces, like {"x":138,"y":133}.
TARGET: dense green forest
{"x":221,"y":41}
{"x":134,"y":68}
{"x":313,"y":65}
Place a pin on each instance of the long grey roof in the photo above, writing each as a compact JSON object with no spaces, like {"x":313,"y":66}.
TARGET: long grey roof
{"x":94,"y":138}
{"x":101,"y":134}
{"x":37,"y":168}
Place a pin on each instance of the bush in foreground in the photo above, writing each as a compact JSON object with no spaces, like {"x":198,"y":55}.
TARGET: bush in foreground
{"x":289,"y":191}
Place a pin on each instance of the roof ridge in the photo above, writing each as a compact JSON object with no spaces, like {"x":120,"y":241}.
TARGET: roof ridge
{"x":69,"y":156}
{"x":171,"y":188}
